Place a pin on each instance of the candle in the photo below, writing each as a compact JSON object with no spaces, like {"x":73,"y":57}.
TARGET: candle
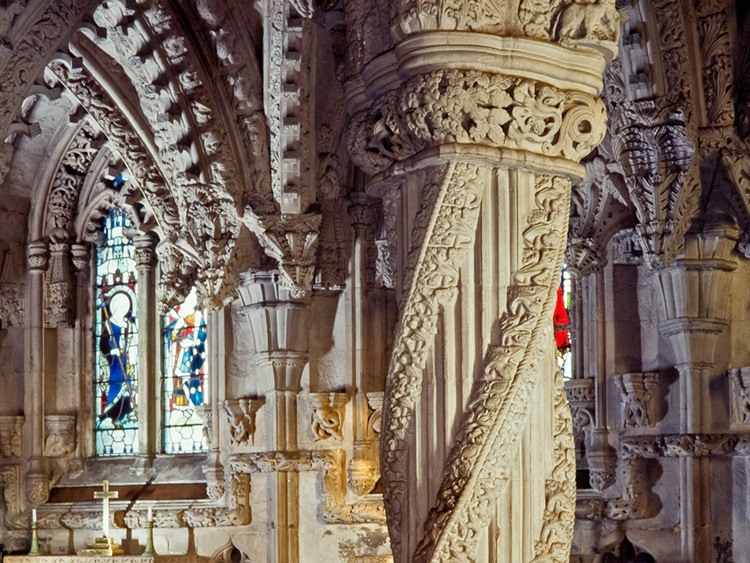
{"x":33,"y":515}
{"x":150,"y":515}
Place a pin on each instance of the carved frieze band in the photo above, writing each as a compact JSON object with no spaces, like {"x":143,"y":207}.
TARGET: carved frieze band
{"x":685,"y":445}
{"x":332,"y":464}
{"x":479,"y":463}
{"x":470,"y":106}
{"x":567,"y":21}
{"x":237,"y":513}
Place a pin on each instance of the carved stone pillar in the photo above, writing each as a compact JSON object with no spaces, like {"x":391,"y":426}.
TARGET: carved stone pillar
{"x":471,"y":119}
{"x":37,"y":482}
{"x":148,"y":335}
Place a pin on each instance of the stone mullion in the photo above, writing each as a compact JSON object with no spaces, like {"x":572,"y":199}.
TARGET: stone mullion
{"x":149,"y":372}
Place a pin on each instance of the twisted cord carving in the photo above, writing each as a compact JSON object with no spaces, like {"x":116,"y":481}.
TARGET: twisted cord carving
{"x":479,"y":465}
{"x":443,"y":232}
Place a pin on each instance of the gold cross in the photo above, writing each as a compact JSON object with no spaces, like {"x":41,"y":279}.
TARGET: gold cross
{"x":105,"y":495}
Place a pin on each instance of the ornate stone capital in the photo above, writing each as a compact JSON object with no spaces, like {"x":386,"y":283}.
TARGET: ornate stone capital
{"x":60,"y":434}
{"x":475,"y":107}
{"x":327,"y":415}
{"x":638,"y":399}
{"x":37,"y":255}
{"x":241,"y":419}
{"x":145,"y":254}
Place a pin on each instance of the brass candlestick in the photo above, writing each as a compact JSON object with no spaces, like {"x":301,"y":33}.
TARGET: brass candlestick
{"x":149,"y":551}
{"x":35,"y":550}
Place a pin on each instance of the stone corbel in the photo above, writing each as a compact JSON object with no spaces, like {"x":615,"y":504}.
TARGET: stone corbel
{"x":636,"y":500}
{"x":291,"y":240}
{"x":364,"y":468}
{"x":602,"y":460}
{"x":657,"y":156}
{"x":11,"y":444}
{"x":10,"y":479}
{"x":580,"y":395}
{"x":638,"y":398}
{"x":241,"y":418}
{"x":375,"y":402}
{"x":327,"y":415}
{"x":739,"y":395}
{"x":60,"y":434}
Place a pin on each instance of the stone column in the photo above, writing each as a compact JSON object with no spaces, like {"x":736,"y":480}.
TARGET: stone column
{"x":363,"y":466}
{"x":694,"y":302}
{"x":279,"y":322}
{"x":37,"y":482}
{"x":471,"y":119}
{"x":83,"y":349}
{"x":149,"y":402}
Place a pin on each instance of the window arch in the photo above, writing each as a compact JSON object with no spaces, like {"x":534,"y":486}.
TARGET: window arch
{"x":178,"y":362}
{"x":116,"y":339}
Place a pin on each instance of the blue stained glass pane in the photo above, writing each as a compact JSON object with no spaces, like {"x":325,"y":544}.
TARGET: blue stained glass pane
{"x":116,"y":341}
{"x":184,"y":381}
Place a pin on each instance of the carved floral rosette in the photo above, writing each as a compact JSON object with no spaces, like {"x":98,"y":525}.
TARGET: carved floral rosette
{"x":327,"y":415}
{"x":11,"y":436}
{"x":60,"y":434}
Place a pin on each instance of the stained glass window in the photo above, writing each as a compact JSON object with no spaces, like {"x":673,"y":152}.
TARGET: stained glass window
{"x":184,"y":382}
{"x":561,"y":319}
{"x":116,"y":340}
